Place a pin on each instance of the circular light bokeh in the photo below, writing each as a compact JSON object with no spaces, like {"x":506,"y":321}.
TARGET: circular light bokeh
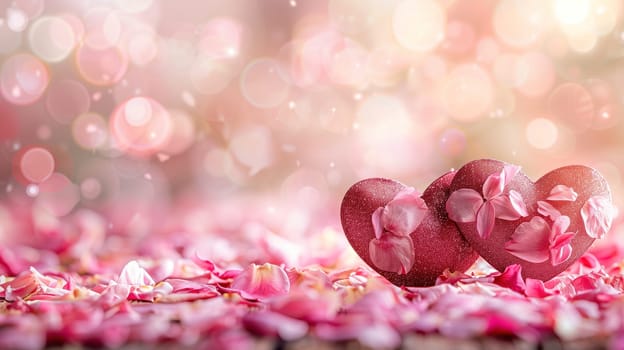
{"x":102,"y":28}
{"x":35,"y":164}
{"x":419,"y":24}
{"x":58,"y":195}
{"x":520,"y":23}
{"x":262,"y":85}
{"x":103,"y":67}
{"x":467,"y":93}
{"x":90,"y":131}
{"x":541,"y":133}
{"x":534,"y":74}
{"x":51,"y":38}
{"x":573,"y":105}
{"x":23,"y":79}
{"x":141,"y":125}
{"x":210,"y":76}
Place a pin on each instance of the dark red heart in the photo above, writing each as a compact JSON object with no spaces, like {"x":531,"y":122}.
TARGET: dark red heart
{"x":543,"y":226}
{"x":436,"y":242}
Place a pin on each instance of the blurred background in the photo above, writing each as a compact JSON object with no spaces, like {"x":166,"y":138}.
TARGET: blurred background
{"x":232,"y":129}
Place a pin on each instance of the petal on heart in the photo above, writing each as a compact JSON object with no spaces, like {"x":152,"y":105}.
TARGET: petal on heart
{"x":509,"y":207}
{"x":597,"y":214}
{"x":509,"y":172}
{"x":392,"y":253}
{"x":485,"y":219}
{"x":560,"y":255}
{"x":463,"y":205}
{"x":562,"y":193}
{"x":377,"y":224}
{"x":546,"y":209}
{"x":530,"y":241}
{"x":494,"y":185}
{"x":404,"y":213}
{"x":559,"y":227}
{"x":262,"y":281}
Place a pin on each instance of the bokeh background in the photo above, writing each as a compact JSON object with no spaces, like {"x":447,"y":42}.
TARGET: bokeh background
{"x":233,"y":128}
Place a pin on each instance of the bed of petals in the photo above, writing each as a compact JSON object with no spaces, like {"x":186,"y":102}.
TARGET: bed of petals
{"x":170,"y":290}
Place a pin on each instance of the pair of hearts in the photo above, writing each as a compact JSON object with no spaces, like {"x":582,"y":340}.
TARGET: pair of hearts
{"x":487,"y":208}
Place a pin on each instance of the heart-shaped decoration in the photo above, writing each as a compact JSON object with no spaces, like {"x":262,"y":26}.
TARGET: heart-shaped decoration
{"x":405,"y":237}
{"x":543,"y":226}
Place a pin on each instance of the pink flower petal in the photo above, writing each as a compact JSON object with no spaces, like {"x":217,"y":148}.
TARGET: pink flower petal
{"x":134,"y":275}
{"x":597,"y":214}
{"x":262,"y":281}
{"x":562,"y":193}
{"x":560,"y":255}
{"x":536,"y":288}
{"x":404,"y":213}
{"x":392,"y":253}
{"x":494,"y":185}
{"x":509,"y":207}
{"x":463,"y":205}
{"x":511,"y":278}
{"x":530,"y":241}
{"x":377,"y":224}
{"x":562,"y":240}
{"x":509,"y":172}
{"x":559,"y":227}
{"x":546,"y":209}
{"x":485,"y":219}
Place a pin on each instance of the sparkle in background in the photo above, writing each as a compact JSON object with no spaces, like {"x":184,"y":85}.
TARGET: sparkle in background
{"x":231,"y":129}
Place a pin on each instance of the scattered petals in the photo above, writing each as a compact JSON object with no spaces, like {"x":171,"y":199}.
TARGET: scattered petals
{"x":510,"y":207}
{"x":597,"y":214}
{"x":562,"y":193}
{"x":463,"y":205}
{"x":392,"y":253}
{"x":530,"y":241}
{"x":134,"y":275}
{"x":511,"y":278}
{"x":262,"y":281}
{"x":404,"y":213}
{"x":467,"y":205}
{"x":485,"y":219}
{"x":547,"y":210}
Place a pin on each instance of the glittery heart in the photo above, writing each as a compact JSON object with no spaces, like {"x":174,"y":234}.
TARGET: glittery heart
{"x":404,"y":236}
{"x":543,"y":226}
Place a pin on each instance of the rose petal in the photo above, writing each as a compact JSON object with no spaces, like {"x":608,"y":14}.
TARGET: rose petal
{"x":377,"y":224}
{"x":262,"y":281}
{"x":485,"y":219}
{"x":597,"y":214}
{"x":511,"y":278}
{"x":392,"y":253}
{"x":404,"y":213}
{"x":530,"y":241}
{"x":546,"y":209}
{"x":509,"y":172}
{"x":463,"y":205}
{"x":562,"y":193}
{"x":559,"y":227}
{"x":560,"y":254}
{"x":509,"y":207}
{"x":134,"y":275}
{"x":536,"y":288}
{"x":494,"y":185}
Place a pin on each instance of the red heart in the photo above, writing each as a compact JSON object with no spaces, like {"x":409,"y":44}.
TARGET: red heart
{"x":415,"y":244}
{"x":543,"y":226}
